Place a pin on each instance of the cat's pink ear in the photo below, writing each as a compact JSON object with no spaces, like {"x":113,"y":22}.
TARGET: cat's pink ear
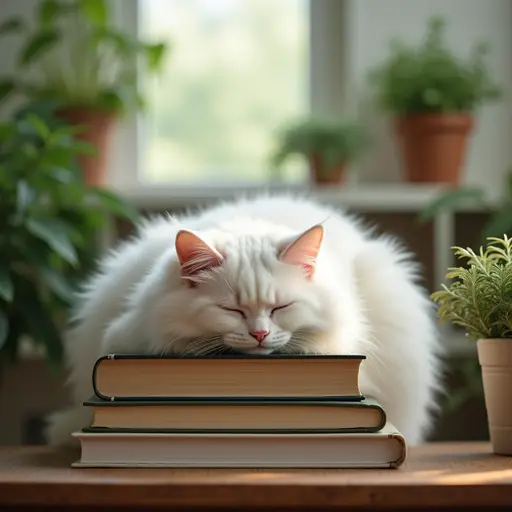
{"x":195,"y":255}
{"x":304,"y":250}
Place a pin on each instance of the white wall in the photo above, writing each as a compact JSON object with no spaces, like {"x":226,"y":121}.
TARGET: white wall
{"x":372,"y":23}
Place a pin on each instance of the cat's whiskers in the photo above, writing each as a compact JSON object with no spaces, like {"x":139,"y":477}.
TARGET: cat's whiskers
{"x":299,"y":342}
{"x":204,"y":345}
{"x":170,"y":343}
{"x":213,"y":349}
{"x":296,"y":345}
{"x":375,"y":360}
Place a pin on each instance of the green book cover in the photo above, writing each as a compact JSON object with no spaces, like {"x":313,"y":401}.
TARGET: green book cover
{"x":367,"y":402}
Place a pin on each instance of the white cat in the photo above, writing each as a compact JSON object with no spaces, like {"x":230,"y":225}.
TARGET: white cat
{"x":263,"y":275}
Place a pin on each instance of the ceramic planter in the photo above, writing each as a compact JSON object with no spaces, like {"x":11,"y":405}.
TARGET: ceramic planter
{"x":433,"y":146}
{"x":97,"y":132}
{"x":495,"y":357}
{"x":335,"y":176}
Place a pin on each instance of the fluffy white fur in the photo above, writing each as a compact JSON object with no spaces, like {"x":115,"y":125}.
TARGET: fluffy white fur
{"x":340,"y":287}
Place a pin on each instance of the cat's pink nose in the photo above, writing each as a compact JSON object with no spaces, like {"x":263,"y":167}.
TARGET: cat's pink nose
{"x":259,"y":335}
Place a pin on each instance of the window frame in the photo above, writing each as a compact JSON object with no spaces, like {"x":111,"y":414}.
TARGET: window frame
{"x":329,"y":92}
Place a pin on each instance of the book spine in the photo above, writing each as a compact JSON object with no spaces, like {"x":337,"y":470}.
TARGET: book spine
{"x":97,"y":392}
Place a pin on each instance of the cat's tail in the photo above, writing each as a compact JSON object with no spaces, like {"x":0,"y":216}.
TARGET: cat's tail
{"x":61,"y":424}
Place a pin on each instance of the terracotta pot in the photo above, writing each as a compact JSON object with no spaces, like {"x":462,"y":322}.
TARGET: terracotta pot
{"x":495,"y":356}
{"x":433,"y":146}
{"x":97,"y":132}
{"x":335,"y":176}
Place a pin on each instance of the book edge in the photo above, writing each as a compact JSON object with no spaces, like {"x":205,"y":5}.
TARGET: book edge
{"x":366,"y":401}
{"x":226,"y":431}
{"x":120,"y":356}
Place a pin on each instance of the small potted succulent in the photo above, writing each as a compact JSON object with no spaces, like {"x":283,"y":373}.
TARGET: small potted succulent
{"x":432,"y":95}
{"x":479,"y":299}
{"x":82,"y":62}
{"x":327,"y":145}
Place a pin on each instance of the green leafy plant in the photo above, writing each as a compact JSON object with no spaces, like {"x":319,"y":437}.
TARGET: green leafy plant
{"x":333,"y":142}
{"x":499,"y":212}
{"x":78,"y":58}
{"x":429,"y":77}
{"x":49,"y":222}
{"x":479,"y":298}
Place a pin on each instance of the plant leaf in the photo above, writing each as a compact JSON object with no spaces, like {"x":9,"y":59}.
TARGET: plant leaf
{"x":38,"y":44}
{"x":83,"y":147}
{"x":499,"y":223}
{"x":6,"y":287}
{"x":55,"y":235}
{"x":450,"y":199}
{"x":11,"y":25}
{"x":7,"y":87}
{"x":4,"y":328}
{"x":154,"y":55}
{"x":62,"y":174}
{"x":40,"y":324}
{"x":114,"y":204}
{"x":39,"y":125}
{"x":48,"y":9}
{"x":24,"y":196}
{"x":57,"y":282}
{"x":95,"y":10}
{"x":111,"y":100}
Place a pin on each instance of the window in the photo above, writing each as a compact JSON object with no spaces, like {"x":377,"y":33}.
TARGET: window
{"x":238,"y":69}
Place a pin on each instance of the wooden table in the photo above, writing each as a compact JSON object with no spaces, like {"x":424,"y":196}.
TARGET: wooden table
{"x":462,"y":475}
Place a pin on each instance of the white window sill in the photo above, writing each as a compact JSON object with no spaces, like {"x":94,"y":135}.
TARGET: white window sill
{"x":374,"y":197}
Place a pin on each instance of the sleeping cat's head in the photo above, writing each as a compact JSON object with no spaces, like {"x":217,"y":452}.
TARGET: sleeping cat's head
{"x":248,"y":293}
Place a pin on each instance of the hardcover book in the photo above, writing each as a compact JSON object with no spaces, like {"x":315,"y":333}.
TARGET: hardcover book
{"x":383,"y":449}
{"x":144,"y":377}
{"x":238,"y":415}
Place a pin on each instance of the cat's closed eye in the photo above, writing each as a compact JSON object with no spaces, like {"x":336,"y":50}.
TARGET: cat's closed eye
{"x":242,"y":313}
{"x":233,"y":310}
{"x":278,"y":308}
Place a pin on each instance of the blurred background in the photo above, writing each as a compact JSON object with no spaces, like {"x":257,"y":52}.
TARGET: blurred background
{"x":399,"y":111}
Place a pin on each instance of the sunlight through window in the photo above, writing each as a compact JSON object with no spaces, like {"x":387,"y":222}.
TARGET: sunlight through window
{"x":237,"y":70}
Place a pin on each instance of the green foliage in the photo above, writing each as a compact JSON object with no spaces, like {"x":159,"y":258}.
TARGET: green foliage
{"x":470,"y":387}
{"x":79,"y":58}
{"x":334,"y":142}
{"x":429,"y":77}
{"x":49,"y":221}
{"x":500,"y":213}
{"x":479,"y":298}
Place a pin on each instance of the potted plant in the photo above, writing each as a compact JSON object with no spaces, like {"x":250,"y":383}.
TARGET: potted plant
{"x":433,"y":95}
{"x":85,"y":65}
{"x":479,"y":298}
{"x":49,"y":220}
{"x":327,"y":145}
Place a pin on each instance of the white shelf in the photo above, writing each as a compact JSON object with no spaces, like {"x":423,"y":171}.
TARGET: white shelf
{"x":375,"y":197}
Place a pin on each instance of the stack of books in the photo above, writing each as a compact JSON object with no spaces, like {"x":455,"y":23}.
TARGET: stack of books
{"x":235,"y":411}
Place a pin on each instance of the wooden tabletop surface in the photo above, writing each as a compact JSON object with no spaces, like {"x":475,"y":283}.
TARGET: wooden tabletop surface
{"x":434,"y":475}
